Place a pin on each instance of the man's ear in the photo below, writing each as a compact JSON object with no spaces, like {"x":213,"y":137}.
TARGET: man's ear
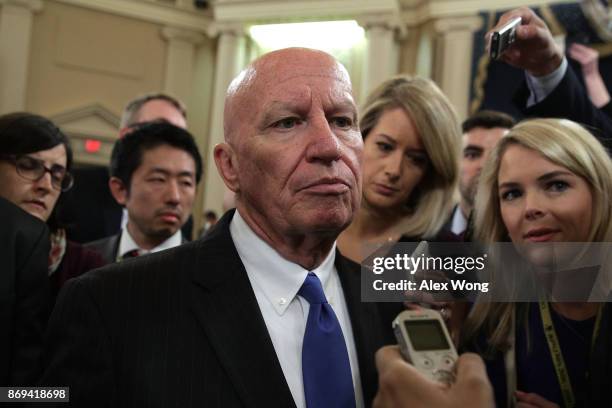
{"x":227,"y":165}
{"x":118,"y":190}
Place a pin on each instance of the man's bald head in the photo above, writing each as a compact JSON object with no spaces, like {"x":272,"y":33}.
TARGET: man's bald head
{"x":274,"y":68}
{"x":293,"y":151}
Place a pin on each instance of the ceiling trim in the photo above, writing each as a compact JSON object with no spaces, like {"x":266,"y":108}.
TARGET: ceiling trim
{"x":271,"y":10}
{"x":149,"y":11}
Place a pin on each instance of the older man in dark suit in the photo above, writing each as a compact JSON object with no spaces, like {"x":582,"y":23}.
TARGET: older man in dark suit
{"x":263,"y":311}
{"x":24,"y":291}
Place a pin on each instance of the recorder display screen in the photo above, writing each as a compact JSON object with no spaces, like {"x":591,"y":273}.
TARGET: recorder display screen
{"x":426,"y":335}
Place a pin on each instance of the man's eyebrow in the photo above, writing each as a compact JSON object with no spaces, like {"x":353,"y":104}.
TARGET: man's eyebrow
{"x":167,"y":172}
{"x":273,"y":108}
{"x":345,"y":105}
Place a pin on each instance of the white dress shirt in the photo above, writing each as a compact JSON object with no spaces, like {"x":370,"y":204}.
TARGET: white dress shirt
{"x":459,"y":222}
{"x":541,"y":87}
{"x":127,"y":243}
{"x":276,"y":281}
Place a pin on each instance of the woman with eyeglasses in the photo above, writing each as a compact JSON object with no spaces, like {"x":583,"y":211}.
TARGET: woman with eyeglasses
{"x":35,"y":164}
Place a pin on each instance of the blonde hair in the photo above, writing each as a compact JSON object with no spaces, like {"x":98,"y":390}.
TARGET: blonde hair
{"x":438,"y":127}
{"x":566,"y":144}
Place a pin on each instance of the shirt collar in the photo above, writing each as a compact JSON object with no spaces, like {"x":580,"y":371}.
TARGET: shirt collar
{"x":127,"y":243}
{"x":276,"y":277}
{"x":459,"y":222}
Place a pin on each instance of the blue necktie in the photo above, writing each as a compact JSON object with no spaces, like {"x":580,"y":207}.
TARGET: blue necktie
{"x":328,"y":382}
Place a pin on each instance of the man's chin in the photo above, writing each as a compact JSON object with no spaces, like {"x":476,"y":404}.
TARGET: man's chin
{"x":163,"y":234}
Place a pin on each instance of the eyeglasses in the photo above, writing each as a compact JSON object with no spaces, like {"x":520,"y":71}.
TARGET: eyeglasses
{"x":33,"y":169}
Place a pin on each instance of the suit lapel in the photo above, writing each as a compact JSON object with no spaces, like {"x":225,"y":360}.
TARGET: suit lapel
{"x":225,"y":305}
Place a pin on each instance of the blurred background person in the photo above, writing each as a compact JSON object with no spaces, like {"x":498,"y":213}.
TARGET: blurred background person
{"x":210,"y":219}
{"x":24,"y":292}
{"x":35,"y":171}
{"x":410,"y":165}
{"x":547,"y":180}
{"x":481,"y":132}
{"x":588,"y":58}
{"x":154,"y":173}
{"x":150,"y":108}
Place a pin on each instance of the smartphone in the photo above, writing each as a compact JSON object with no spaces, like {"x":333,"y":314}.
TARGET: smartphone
{"x":502,"y":39}
{"x":425,"y":343}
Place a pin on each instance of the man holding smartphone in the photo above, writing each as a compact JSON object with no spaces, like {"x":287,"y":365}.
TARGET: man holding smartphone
{"x":551,"y":89}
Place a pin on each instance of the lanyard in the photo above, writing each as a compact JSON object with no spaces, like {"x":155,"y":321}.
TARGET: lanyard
{"x":557,"y":356}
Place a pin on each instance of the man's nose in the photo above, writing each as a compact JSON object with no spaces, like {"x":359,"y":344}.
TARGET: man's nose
{"x":173,"y":193}
{"x":324,"y":144}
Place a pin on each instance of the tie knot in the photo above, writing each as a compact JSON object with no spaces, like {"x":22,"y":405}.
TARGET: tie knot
{"x":131,"y":254}
{"x":312,"y":290}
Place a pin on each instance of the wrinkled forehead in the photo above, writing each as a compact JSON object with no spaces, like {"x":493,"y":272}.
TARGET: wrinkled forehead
{"x":289,"y":75}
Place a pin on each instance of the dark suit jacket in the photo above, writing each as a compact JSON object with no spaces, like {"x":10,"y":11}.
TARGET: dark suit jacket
{"x":24,"y":286}
{"x":569,"y":100}
{"x":106,"y":247}
{"x":182,"y":328}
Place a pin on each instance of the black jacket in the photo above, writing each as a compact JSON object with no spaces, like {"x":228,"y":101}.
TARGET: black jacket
{"x":24,"y":291}
{"x":182,"y":328}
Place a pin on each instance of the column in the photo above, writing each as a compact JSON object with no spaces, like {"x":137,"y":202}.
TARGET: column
{"x":15,"y":33}
{"x":180,"y":61}
{"x":382,"y":54}
{"x":453,"y":58}
{"x":229,"y":62}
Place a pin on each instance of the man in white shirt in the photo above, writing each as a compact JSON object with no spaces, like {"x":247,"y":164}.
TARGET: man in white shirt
{"x":263,"y":311}
{"x":154,"y":172}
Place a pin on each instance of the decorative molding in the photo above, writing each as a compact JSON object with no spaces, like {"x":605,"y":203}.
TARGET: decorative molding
{"x":90,"y":122}
{"x":389,"y":21}
{"x":235,"y":28}
{"x":189,"y":36}
{"x":417,"y":12}
{"x":107,"y":126}
{"x":457,"y":23}
{"x":148,"y":11}
{"x":32,"y":5}
{"x":269,"y":10}
{"x":599,"y":18}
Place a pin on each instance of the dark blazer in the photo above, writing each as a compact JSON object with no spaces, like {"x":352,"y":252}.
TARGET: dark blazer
{"x":109,"y":247}
{"x":24,"y":286}
{"x":106,"y":247}
{"x":569,"y":100}
{"x":76,"y":261}
{"x":182,"y":328}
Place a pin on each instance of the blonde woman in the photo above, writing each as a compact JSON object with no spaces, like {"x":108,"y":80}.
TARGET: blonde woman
{"x":412,"y":140}
{"x":547,"y":180}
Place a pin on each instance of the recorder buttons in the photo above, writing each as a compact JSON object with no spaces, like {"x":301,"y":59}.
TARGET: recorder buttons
{"x":444,"y":376}
{"x":426,"y":362}
{"x":448,"y":362}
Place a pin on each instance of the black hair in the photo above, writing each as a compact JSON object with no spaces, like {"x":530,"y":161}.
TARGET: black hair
{"x":488,"y":119}
{"x":22,"y":133}
{"x":128,"y":151}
